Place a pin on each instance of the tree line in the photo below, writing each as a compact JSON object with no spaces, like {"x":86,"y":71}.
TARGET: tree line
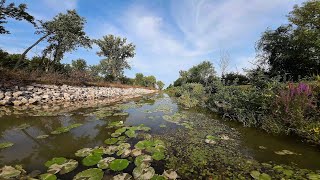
{"x":65,"y":33}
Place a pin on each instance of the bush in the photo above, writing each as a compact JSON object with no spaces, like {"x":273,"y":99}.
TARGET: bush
{"x":189,"y":95}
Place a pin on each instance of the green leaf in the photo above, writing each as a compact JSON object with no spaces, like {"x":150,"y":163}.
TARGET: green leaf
{"x":264,"y":176}
{"x":143,"y":173}
{"x":104,"y":163}
{"x":5,"y":145}
{"x":56,"y":160}
{"x":111,"y":141}
{"x":123,"y":176}
{"x":90,"y":174}
{"x":119,"y":164}
{"x":131,"y":134}
{"x":91,"y":160}
{"x":83,"y":152}
{"x":158,"y":177}
{"x":158,"y":156}
{"x":255,"y":174}
{"x":142,"y":159}
{"x":48,"y":176}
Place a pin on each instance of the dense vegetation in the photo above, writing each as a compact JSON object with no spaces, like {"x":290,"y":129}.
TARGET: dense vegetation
{"x":62,"y":34}
{"x":282,"y":97}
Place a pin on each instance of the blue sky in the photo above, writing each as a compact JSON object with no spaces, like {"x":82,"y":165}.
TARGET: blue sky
{"x":170,"y":35}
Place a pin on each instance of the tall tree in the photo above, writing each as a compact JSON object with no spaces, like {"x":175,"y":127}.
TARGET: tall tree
{"x":160,"y":85}
{"x":12,"y":11}
{"x":117,"y":51}
{"x":64,"y":34}
{"x":294,"y":49}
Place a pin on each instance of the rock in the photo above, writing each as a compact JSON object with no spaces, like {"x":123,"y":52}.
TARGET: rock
{"x":1,"y":95}
{"x":17,"y":94}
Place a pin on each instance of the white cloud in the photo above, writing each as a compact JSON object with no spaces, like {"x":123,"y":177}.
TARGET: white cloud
{"x":208,"y":24}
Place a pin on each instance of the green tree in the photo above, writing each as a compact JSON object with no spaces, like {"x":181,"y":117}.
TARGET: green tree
{"x":12,"y":11}
{"x":294,"y":49}
{"x":203,"y":73}
{"x":139,"y":79}
{"x":117,"y":51}
{"x":160,"y":85}
{"x":64,"y":34}
{"x":150,"y":81}
{"x":79,"y":65}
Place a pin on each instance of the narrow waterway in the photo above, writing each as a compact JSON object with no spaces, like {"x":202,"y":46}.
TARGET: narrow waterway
{"x":34,"y":143}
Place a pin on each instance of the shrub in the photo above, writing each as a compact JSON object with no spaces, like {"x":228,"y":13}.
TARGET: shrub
{"x":294,"y":105}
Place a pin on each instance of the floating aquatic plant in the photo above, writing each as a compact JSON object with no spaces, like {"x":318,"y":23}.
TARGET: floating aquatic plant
{"x":83,"y":152}
{"x":42,"y":136}
{"x":158,"y":177}
{"x":47,"y":176}
{"x":259,"y":176}
{"x":285,"y":152}
{"x":123,"y":176}
{"x":104,"y":163}
{"x":90,"y":174}
{"x":111,"y":141}
{"x":5,"y":145}
{"x":170,"y":174}
{"x":92,"y":159}
{"x":143,"y":173}
{"x":8,"y":172}
{"x":146,"y":159}
{"x":61,"y":165}
{"x":61,"y":130}
{"x":119,"y":164}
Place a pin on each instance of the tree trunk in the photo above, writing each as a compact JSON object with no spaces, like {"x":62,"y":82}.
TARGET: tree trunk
{"x":22,"y":57}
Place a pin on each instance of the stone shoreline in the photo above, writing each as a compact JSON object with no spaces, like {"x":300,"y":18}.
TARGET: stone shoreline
{"x":39,"y":94}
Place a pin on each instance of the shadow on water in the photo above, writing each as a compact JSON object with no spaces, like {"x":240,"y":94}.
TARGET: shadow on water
{"x":32,"y":152}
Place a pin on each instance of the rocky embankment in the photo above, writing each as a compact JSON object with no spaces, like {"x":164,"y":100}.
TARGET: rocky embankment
{"x":38,"y":94}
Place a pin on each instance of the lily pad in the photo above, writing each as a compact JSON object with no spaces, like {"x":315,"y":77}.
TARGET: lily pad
{"x":111,"y":141}
{"x":90,"y":174}
{"x":23,"y":126}
{"x":115,"y":135}
{"x":142,"y":159}
{"x":141,"y":173}
{"x":158,"y":156}
{"x":158,"y":177}
{"x":136,"y":152}
{"x":131,"y":134}
{"x":5,"y":145}
{"x":110,"y":150}
{"x":121,"y":130}
{"x":119,"y":164}
{"x":115,"y":124}
{"x":104,"y":163}
{"x":83,"y":152}
{"x":92,"y":159}
{"x":63,"y":168}
{"x":8,"y":172}
{"x":163,"y":126}
{"x":313,"y":176}
{"x":42,"y":136}
{"x":123,"y":176}
{"x":170,"y":174}
{"x":211,"y":139}
{"x":285,"y":152}
{"x":55,"y":160}
{"x":48,"y":176}
{"x":121,"y":114}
